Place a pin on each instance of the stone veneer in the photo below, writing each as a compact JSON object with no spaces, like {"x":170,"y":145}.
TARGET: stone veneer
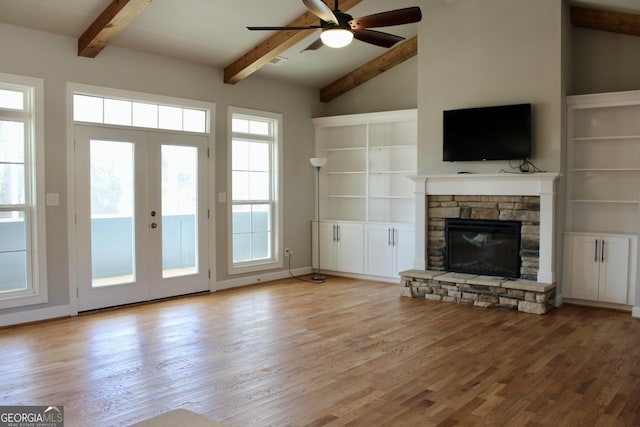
{"x":505,"y":208}
{"x":480,"y":291}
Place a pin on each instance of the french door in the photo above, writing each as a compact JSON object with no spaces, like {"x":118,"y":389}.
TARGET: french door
{"x":141,"y":216}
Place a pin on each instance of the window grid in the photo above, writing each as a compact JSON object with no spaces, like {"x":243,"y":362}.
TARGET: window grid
{"x":17,"y":196}
{"x":133,"y":113}
{"x":253,"y":189}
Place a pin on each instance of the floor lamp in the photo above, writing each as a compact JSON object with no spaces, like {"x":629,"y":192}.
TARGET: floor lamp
{"x":318,"y":162}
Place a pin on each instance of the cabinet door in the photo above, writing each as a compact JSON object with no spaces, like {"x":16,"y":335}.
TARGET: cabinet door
{"x":350,"y":248}
{"x":614,"y":269}
{"x":328,"y":246}
{"x":404,"y":248}
{"x":584,"y":263}
{"x":379,"y":253}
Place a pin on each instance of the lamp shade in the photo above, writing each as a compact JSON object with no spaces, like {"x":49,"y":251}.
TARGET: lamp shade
{"x":336,"y":37}
{"x":317,"y":162}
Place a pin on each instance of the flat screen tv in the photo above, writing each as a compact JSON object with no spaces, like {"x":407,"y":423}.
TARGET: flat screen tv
{"x":487,"y":133}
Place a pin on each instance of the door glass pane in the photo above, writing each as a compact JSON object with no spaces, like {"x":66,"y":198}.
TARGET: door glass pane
{"x":179,"y":210}
{"x":112,"y":209}
{"x":13,"y":252}
{"x":12,"y":145}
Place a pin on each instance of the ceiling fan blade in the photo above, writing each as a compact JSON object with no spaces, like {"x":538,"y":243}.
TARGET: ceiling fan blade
{"x":315,"y":45}
{"x":321,"y":10}
{"x":311,"y":27}
{"x":377,"y":38}
{"x":387,"y":19}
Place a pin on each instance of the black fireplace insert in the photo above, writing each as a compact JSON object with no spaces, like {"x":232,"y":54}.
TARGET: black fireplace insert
{"x":484,"y":247}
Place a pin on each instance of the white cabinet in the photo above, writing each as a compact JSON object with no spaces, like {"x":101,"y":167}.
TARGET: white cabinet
{"x":389,"y":249}
{"x":600,"y":267}
{"x":603,"y":197}
{"x":341,"y":247}
{"x":365,"y":180}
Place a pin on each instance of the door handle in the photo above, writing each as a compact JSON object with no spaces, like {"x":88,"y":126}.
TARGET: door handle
{"x":602,"y":252}
{"x":595,"y":256}
{"x":389,"y":242}
{"x":337,"y":233}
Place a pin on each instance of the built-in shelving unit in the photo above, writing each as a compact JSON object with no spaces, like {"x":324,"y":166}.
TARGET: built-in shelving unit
{"x":369,"y":159}
{"x":603,"y":195}
{"x":365,"y":182}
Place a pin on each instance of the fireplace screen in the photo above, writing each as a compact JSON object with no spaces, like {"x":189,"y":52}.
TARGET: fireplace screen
{"x":485,"y":247}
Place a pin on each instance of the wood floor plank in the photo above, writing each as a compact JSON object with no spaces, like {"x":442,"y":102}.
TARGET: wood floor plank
{"x":343,"y":353}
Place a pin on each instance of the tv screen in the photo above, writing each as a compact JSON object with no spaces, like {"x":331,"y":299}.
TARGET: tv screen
{"x":487,"y":133}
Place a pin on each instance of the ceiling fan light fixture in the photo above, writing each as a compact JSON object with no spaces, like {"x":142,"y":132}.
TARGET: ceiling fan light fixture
{"x":336,"y":37}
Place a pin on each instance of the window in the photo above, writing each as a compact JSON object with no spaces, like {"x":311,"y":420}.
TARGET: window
{"x":124,"y":112}
{"x":22,"y":233}
{"x":255,"y":185}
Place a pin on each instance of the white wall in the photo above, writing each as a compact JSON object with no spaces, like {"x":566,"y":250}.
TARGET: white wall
{"x":394,"y":89}
{"x":54,"y":59}
{"x":491,"y":52}
{"x":604,"y":62}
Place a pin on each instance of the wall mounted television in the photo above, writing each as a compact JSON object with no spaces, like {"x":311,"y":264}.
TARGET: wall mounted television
{"x":487,"y":133}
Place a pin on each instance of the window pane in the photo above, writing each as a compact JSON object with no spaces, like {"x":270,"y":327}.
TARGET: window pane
{"x":240,"y":186}
{"x":260,"y":246}
{"x":87,"y":109}
{"x":194,"y":120}
{"x":261,"y":218}
{"x":241,"y":247}
{"x":11,"y":99}
{"x":259,"y":186}
{"x":241,"y":216}
{"x":12,"y":184}
{"x":259,"y":159}
{"x":240,"y":125}
{"x":112,"y":225}
{"x":179,"y":210}
{"x":240,"y":155}
{"x":169,"y":118}
{"x":12,"y":142}
{"x":13,"y":251}
{"x":117,"y":112}
{"x":259,"y":127}
{"x":145,"y":115}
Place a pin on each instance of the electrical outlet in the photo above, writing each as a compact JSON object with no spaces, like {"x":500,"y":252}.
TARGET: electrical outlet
{"x":288,"y":252}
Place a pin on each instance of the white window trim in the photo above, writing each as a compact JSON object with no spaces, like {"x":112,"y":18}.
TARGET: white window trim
{"x":79,"y":88}
{"x":37,"y":233}
{"x":276,"y":260}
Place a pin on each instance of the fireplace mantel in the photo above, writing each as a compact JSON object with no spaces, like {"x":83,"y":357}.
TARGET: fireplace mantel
{"x":502,"y":184}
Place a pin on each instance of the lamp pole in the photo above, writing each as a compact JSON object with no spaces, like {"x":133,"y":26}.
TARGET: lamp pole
{"x":318,"y":162}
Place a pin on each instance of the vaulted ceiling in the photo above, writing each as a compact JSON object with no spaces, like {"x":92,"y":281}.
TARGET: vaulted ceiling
{"x":213,"y":32}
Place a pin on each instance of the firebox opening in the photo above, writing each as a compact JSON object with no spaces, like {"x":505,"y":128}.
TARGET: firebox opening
{"x":484,"y":247}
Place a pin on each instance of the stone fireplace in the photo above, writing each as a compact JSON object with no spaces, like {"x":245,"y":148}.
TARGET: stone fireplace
{"x":524,"y":210}
{"x":525,"y":199}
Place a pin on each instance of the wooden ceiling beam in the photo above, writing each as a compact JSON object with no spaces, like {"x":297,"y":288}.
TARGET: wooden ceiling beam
{"x":108,"y":25}
{"x":606,"y":20}
{"x":384,"y":62}
{"x":279,"y":42}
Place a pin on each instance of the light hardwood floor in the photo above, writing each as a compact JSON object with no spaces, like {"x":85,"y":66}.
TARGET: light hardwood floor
{"x":345,"y":352}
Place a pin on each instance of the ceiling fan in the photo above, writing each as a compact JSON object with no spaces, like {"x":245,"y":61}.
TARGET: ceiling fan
{"x":339,"y":29}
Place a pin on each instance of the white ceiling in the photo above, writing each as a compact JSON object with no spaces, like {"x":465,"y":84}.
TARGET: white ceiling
{"x":212,"y":32}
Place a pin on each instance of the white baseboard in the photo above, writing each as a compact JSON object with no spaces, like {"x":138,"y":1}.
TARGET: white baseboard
{"x":260,"y":278}
{"x":28,"y":316}
{"x":635,"y":312}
